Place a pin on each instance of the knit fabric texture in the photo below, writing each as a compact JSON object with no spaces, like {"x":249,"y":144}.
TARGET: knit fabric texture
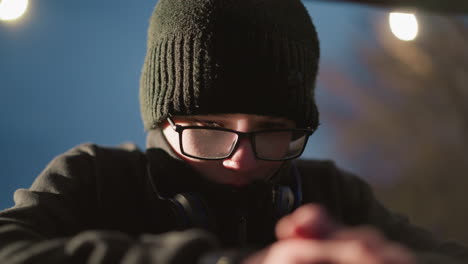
{"x":230,"y":56}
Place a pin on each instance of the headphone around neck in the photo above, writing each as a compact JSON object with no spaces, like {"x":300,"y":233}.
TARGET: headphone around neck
{"x":192,"y":210}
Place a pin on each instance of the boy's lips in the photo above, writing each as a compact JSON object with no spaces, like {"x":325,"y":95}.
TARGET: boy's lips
{"x":238,"y":179}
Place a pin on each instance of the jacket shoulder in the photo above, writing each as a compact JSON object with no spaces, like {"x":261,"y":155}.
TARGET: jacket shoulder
{"x":93,"y":150}
{"x":314,"y":165}
{"x":115,"y":180}
{"x":341,"y":192}
{"x":88,"y":160}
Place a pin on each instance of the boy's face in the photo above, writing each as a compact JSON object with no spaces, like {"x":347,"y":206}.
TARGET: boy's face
{"x":241,"y":167}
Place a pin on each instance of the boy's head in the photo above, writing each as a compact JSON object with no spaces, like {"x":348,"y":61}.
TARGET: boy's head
{"x":230,"y":57}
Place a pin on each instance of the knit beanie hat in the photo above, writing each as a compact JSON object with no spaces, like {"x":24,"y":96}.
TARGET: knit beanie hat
{"x":230,"y":56}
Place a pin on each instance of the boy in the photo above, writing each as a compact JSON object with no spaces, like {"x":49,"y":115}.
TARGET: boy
{"x":226,"y":96}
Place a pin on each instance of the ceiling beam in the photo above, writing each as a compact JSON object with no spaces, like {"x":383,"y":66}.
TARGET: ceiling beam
{"x":458,"y":7}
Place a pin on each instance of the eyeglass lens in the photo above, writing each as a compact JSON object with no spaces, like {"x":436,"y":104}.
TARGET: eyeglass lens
{"x":214,"y":144}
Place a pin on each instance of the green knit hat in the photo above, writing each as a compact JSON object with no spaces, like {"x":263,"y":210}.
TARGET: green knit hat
{"x":230,"y":56}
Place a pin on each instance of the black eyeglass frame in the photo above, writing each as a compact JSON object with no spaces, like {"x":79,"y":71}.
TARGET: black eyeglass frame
{"x":251,"y":135}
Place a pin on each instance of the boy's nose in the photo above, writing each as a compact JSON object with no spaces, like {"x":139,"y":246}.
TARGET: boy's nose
{"x":243,"y":159}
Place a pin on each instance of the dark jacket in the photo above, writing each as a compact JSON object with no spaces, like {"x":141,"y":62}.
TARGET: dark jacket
{"x":96,"y":204}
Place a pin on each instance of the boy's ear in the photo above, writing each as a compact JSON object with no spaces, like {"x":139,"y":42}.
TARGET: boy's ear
{"x":152,"y":137}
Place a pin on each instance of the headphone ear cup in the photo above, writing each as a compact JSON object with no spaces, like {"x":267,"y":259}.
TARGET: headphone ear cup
{"x":283,"y":199}
{"x":192,"y":210}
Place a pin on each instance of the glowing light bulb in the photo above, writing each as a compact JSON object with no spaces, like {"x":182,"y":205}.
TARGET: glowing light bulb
{"x":404,"y":26}
{"x":12,"y":9}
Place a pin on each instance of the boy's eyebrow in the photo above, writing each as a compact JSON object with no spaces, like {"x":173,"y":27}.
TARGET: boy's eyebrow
{"x":277,"y":121}
{"x":272,"y":123}
{"x":202,"y":117}
{"x":204,"y":120}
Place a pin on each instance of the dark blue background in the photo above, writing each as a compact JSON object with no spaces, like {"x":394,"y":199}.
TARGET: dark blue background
{"x":69,"y":73}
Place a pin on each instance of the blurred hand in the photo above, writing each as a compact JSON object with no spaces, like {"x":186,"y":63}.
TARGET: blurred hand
{"x":309,"y":236}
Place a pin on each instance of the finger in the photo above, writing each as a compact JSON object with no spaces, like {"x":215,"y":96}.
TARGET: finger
{"x":375,"y":243}
{"x":308,"y":221}
{"x":330,"y":251}
{"x":366,"y":234}
{"x":295,"y":251}
{"x":397,"y":254}
{"x":359,"y":252}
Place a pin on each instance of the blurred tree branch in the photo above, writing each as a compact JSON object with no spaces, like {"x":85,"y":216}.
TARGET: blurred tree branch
{"x":407,"y":119}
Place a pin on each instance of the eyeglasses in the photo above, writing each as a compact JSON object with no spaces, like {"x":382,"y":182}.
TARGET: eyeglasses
{"x":215,"y":143}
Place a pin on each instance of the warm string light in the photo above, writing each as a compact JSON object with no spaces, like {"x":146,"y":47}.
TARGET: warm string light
{"x":404,"y":25}
{"x":12,"y":9}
